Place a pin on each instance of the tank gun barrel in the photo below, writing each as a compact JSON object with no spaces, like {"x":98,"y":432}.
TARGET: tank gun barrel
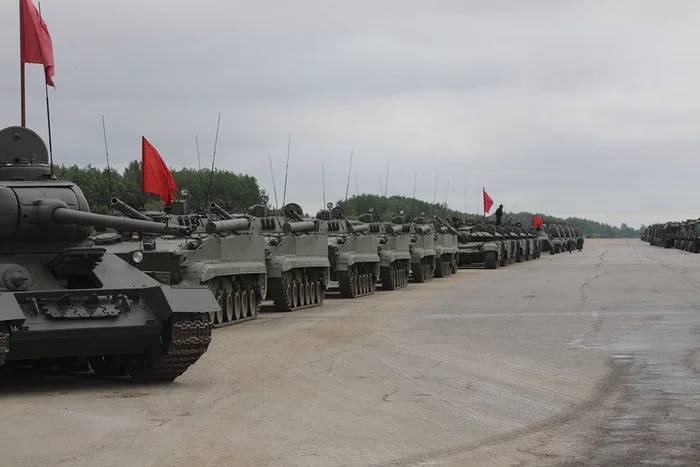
{"x":121,"y":206}
{"x":59,"y":213}
{"x":423,"y":229}
{"x":394,"y":229}
{"x":446,"y":224}
{"x":357,"y":228}
{"x":298,"y":226}
{"x":218,"y":210}
{"x":228,"y":225}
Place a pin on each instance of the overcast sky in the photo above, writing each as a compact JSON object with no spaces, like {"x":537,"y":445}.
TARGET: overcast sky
{"x":585,"y":108}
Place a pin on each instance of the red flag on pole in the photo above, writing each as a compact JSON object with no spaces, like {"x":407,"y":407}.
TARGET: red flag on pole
{"x":35,"y":41}
{"x":537,"y":221}
{"x":156,"y":176}
{"x":488,"y":202}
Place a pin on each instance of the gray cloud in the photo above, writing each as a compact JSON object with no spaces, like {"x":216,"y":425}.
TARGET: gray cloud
{"x":578,"y":108}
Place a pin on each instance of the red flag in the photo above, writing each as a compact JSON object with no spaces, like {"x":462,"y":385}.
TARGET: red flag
{"x":34,"y":40}
{"x":537,"y":221}
{"x":156,"y":176}
{"x":488,"y":202}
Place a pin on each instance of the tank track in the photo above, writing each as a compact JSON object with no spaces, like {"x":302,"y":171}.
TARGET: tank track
{"x":189,"y":339}
{"x":443,"y":267}
{"x":423,"y":271}
{"x":394,"y":277}
{"x":224,"y":286}
{"x":4,"y":343}
{"x":281,"y":291}
{"x":353,"y":284}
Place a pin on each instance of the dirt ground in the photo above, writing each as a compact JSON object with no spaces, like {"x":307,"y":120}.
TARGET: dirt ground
{"x":588,"y":358}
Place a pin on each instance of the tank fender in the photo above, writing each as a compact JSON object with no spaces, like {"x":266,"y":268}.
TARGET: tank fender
{"x":10,"y":309}
{"x":165,"y":300}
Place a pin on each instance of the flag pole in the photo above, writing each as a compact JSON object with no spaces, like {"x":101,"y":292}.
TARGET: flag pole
{"x":483,"y":192}
{"x":48,"y":111}
{"x":21,"y":65}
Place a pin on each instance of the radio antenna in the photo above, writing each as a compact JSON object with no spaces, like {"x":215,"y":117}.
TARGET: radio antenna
{"x":413,"y":202}
{"x":286,"y":171}
{"x":109,"y":170}
{"x":323,"y":181}
{"x":213,"y":158}
{"x":347,"y":186}
{"x":274,"y":187}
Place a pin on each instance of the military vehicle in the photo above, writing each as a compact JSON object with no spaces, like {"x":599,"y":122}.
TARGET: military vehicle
{"x":693,"y":236}
{"x":220,"y":254}
{"x":394,"y":251}
{"x":477,"y":245}
{"x":669,"y":234}
{"x":352,"y":252}
{"x":446,"y":249}
{"x":76,"y":307}
{"x":296,"y":252}
{"x":422,"y":247}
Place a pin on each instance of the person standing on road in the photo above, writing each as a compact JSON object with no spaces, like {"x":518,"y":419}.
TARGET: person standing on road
{"x":499,"y":214}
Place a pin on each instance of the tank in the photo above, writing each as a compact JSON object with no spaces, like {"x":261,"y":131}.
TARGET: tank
{"x":73,"y":306}
{"x":446,"y":250}
{"x":394,"y":251}
{"x":296,"y":252}
{"x":352,"y":252}
{"x":422,"y":247}
{"x":220,"y":254}
{"x":476,"y":244}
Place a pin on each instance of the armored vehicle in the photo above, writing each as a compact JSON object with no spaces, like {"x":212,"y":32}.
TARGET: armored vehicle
{"x":693,"y":236}
{"x":477,"y":245}
{"x":220,"y":254}
{"x":669,"y":234}
{"x":352,"y":252}
{"x":76,"y":307}
{"x":446,"y":249}
{"x":394,"y":251}
{"x":422,"y":247}
{"x":296,"y":252}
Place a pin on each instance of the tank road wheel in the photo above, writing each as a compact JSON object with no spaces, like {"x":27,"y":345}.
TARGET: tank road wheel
{"x":309,"y":295}
{"x":295,"y":295}
{"x":237,"y":306}
{"x":244,"y":304}
{"x":219,"y":314}
{"x":491,"y":260}
{"x":228,"y":308}
{"x":313,"y":292}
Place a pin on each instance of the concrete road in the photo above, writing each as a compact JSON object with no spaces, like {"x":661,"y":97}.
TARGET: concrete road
{"x":576,"y":359}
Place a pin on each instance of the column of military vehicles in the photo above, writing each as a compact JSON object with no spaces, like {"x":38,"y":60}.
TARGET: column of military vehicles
{"x":138,"y":297}
{"x":683,"y":235}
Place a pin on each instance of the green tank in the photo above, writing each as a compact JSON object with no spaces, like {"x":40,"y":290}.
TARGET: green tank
{"x":220,"y":254}
{"x":394,"y":251}
{"x":73,"y":306}
{"x":296,"y":252}
{"x":477,"y":245}
{"x":352,"y":252}
{"x":422,"y":248}
{"x":446,"y":250}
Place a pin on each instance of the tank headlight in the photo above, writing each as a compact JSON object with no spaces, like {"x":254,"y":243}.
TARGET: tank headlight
{"x":137,"y":256}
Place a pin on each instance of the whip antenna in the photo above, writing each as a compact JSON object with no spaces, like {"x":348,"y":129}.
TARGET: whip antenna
{"x":213,"y":158}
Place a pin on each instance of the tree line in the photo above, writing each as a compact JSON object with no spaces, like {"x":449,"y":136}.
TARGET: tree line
{"x":239,"y":191}
{"x":386,"y":207}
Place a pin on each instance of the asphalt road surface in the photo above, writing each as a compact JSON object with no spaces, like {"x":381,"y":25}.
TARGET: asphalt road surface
{"x":588,"y":358}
